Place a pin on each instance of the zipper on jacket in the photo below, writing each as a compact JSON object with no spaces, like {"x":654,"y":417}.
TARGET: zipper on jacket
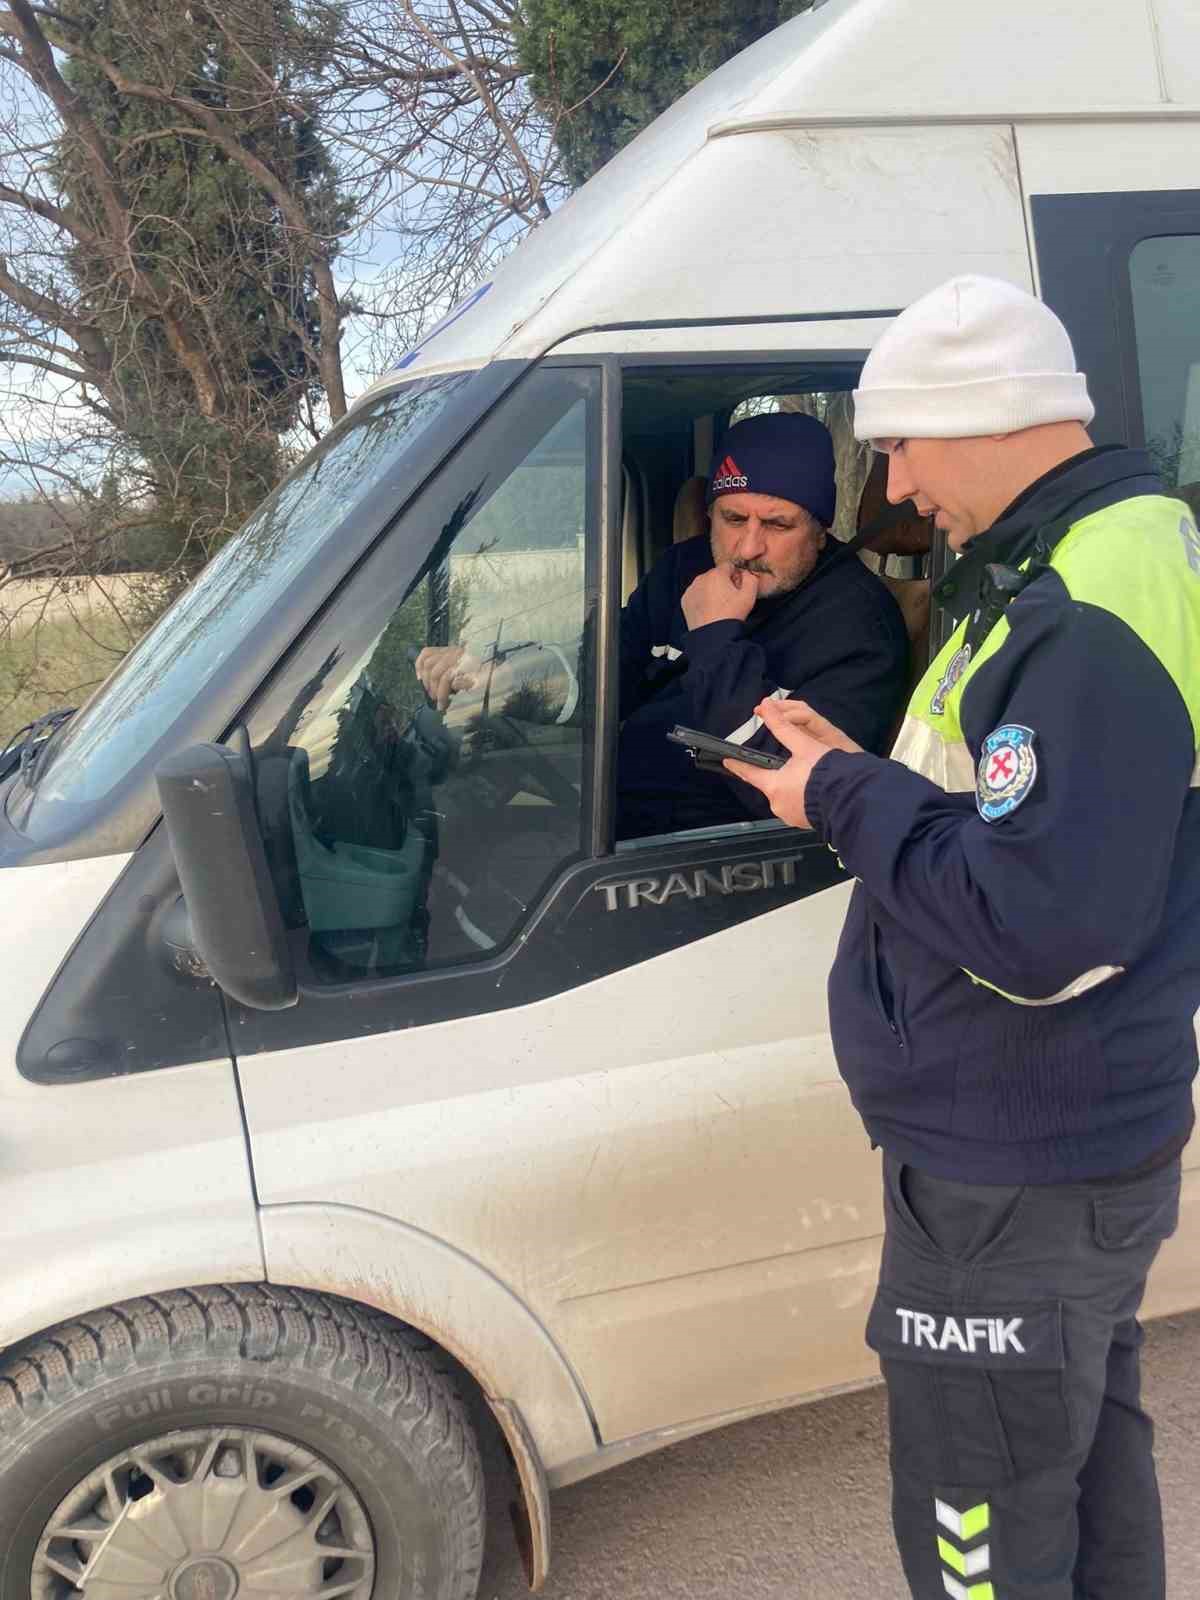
{"x":875,"y":963}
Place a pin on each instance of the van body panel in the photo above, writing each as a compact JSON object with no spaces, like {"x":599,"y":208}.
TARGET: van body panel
{"x":910,"y":56}
{"x":1174,"y":1287}
{"x":43,"y":910}
{"x":127,"y":1221}
{"x":1178,"y":30}
{"x":623,"y":1158}
{"x":1103,"y":158}
{"x":837,"y":233}
{"x":436,"y":1288}
{"x":835,"y":229}
{"x":117,"y":1187}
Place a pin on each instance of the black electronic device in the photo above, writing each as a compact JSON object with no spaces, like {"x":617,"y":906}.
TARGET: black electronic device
{"x":709,"y":753}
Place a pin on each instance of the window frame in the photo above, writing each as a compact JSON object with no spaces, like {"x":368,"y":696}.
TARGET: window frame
{"x":629,"y":364}
{"x":598,"y":916}
{"x":1084,"y":244}
{"x":266,"y":711}
{"x":1128,"y":314}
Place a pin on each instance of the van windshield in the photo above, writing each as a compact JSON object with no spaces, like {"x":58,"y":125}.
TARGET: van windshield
{"x":139,"y":703}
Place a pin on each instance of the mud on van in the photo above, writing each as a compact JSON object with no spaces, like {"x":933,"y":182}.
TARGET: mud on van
{"x":384,"y":1091}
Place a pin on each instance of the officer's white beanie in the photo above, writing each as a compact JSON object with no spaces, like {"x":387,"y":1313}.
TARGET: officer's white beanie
{"x":975,"y":356}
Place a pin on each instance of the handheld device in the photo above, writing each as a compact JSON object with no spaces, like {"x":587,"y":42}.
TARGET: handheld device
{"x":708,"y":753}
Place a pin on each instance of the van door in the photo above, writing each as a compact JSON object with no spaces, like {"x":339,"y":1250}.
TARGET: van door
{"x":1123,"y":271}
{"x":605,"y":1077}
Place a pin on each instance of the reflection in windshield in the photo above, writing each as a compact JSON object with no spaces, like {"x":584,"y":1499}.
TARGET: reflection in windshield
{"x":140,"y":702}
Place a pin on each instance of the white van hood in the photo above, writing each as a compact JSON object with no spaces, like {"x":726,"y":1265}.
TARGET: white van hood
{"x":660,"y":233}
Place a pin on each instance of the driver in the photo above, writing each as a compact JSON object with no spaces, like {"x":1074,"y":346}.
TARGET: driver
{"x":760,"y":606}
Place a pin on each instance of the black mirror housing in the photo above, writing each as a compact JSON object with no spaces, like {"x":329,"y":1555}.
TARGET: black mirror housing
{"x":207,"y":794}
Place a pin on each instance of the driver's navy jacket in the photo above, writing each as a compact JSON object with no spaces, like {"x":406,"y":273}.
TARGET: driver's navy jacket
{"x":838,"y":641}
{"x":1014,"y":992}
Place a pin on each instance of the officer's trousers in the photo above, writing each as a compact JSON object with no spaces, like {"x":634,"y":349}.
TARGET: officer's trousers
{"x":1006,"y":1324}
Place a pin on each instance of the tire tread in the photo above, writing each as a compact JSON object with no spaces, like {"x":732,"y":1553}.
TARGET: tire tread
{"x":392,"y":1367}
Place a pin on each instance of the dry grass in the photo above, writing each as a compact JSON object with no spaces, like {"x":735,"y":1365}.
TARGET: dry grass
{"x":26,"y":603}
{"x":59,"y":641}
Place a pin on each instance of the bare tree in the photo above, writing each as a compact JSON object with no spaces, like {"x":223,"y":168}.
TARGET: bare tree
{"x":423,"y":107}
{"x":168,"y":226}
{"x":449,"y":157}
{"x":349,"y":167}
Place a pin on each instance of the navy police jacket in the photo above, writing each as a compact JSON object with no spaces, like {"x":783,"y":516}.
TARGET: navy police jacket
{"x":838,"y":641}
{"x":1014,"y":992}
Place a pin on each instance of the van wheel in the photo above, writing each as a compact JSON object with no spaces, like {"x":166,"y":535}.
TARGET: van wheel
{"x":213,"y":1442}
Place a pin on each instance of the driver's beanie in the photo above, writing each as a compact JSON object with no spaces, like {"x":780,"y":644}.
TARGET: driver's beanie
{"x":786,"y":454}
{"x":976,"y":356}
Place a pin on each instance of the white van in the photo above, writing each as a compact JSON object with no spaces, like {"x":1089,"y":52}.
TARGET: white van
{"x":429,"y":1101}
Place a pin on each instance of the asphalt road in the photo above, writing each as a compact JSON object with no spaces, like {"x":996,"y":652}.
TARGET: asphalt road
{"x":795,"y":1506}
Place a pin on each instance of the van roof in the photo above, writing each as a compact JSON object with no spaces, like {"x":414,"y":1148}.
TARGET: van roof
{"x":843,"y":64}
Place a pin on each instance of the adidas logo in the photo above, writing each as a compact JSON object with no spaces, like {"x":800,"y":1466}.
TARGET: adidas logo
{"x":729,"y":476}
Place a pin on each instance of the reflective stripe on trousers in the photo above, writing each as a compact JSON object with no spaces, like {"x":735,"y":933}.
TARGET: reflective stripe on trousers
{"x":1006,"y":1326}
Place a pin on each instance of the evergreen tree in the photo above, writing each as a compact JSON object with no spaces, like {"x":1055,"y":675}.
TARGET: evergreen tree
{"x":211,"y":320}
{"x":608,"y":68}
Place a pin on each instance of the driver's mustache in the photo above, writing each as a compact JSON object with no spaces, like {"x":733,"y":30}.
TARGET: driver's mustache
{"x":759,"y":567}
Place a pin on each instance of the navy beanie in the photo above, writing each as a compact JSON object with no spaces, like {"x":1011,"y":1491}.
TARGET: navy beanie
{"x":786,"y":454}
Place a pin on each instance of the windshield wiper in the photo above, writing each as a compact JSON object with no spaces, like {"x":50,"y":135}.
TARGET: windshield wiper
{"x":25,"y":748}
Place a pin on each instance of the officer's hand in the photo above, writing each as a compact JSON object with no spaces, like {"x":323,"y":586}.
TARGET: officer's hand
{"x":725,"y":594}
{"x":444,"y":670}
{"x":808,"y":736}
{"x":799,"y":714}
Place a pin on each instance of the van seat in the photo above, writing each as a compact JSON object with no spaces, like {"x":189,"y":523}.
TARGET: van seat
{"x":691,"y":512}
{"x":909,"y":538}
{"x":631,"y":550}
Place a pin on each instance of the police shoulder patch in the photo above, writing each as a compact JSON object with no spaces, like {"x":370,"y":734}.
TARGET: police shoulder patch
{"x":955,"y":667}
{"x":1007,"y":771}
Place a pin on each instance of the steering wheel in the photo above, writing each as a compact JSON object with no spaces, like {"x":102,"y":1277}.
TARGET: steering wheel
{"x":494,"y":730}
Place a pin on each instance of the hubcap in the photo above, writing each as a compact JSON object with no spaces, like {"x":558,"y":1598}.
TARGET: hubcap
{"x":208,"y":1514}
{"x":209,"y":1578}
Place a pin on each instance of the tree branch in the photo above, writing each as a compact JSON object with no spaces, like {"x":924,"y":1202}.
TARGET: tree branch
{"x":93,"y":348}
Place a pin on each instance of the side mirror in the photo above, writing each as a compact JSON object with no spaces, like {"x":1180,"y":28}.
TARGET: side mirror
{"x":207,"y":796}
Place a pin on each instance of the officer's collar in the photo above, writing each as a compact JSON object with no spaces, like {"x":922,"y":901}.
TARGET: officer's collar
{"x":1073,"y":490}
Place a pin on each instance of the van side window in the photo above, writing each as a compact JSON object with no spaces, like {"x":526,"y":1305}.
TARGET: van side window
{"x":824,"y":628}
{"x":1165,"y":277}
{"x":434,"y":772}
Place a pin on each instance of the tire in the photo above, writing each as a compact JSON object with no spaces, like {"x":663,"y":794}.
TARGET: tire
{"x":204,"y":1407}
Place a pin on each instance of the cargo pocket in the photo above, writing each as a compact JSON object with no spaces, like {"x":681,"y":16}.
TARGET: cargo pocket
{"x":1139,"y":1217}
{"x":976,"y":1394}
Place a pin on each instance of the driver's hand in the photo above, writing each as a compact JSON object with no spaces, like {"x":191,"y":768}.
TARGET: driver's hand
{"x":445,"y":670}
{"x":723,"y":594}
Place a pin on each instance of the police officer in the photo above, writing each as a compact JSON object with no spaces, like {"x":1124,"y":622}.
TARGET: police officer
{"x":1013,"y":997}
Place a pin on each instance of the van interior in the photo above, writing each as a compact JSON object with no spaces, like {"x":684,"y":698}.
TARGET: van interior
{"x":672,"y":423}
